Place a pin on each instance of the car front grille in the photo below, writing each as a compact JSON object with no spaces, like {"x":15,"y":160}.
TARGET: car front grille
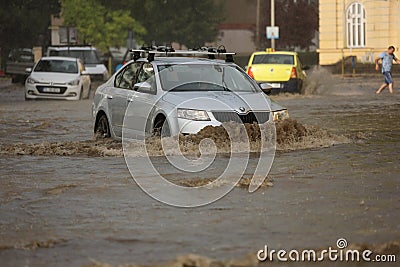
{"x":250,"y":117}
{"x":42,"y":89}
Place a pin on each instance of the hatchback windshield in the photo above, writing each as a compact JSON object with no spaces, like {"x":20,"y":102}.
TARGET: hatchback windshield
{"x":273,"y":59}
{"x":87,"y":56}
{"x":202,"y":77}
{"x":65,"y":66}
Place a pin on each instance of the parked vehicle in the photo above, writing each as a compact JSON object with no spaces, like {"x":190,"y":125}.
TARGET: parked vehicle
{"x":173,"y":95}
{"x":283,"y":70}
{"x":89,"y":56}
{"x":58,"y":78}
{"x":18,"y":60}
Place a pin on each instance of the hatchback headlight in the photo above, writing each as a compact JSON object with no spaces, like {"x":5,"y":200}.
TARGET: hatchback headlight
{"x":31,"y":80}
{"x":74,"y":82}
{"x":193,"y":114}
{"x":281,"y":115}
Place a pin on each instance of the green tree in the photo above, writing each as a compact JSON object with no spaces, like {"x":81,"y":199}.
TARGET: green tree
{"x":297,"y":21}
{"x":24,"y":23}
{"x":99,"y":25}
{"x":188,"y":22}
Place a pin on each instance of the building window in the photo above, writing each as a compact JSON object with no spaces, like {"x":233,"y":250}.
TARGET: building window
{"x":355,"y":25}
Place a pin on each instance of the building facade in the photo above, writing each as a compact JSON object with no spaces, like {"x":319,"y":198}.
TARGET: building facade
{"x":361,"y":28}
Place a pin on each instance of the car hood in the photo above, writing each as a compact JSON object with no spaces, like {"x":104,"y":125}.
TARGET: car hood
{"x":275,"y":106}
{"x":47,"y":77}
{"x":219,"y":100}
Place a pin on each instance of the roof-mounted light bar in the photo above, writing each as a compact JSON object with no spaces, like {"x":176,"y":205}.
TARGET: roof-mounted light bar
{"x":211,"y":52}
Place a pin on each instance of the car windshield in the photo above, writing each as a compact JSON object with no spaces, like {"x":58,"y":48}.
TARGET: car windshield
{"x":63,"y":66}
{"x":21,"y":55}
{"x":273,"y":59}
{"x":202,"y":77}
{"x":87,"y":56}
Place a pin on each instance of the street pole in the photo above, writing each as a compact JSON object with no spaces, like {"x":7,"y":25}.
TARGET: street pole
{"x":273,"y":21}
{"x":258,"y":24}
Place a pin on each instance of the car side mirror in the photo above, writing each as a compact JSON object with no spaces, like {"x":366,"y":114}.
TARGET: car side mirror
{"x":266,"y":88}
{"x":28,"y":70}
{"x":306,"y":68}
{"x":143,"y":87}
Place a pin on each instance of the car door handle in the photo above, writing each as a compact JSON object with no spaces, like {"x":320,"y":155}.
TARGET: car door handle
{"x":109,"y":97}
{"x":130,"y":100}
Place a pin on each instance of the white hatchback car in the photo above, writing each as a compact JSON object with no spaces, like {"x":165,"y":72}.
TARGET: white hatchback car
{"x":58,"y":78}
{"x":173,"y":95}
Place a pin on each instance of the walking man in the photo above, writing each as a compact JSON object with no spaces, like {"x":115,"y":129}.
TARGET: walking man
{"x":387,"y":62}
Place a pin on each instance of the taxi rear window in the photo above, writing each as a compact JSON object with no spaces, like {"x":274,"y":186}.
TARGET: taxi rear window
{"x":273,"y":59}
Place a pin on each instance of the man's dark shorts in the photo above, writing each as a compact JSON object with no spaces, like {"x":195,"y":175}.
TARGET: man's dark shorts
{"x":388,"y":77}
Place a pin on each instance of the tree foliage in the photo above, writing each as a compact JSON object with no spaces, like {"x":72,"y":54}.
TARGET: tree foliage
{"x":297,"y":20}
{"x":99,"y":25}
{"x":24,"y":23}
{"x":187,"y":22}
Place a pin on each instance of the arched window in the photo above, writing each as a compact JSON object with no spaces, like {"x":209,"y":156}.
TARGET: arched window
{"x":355,"y":25}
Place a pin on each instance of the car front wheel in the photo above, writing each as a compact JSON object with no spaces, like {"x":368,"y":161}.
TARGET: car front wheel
{"x":102,"y":129}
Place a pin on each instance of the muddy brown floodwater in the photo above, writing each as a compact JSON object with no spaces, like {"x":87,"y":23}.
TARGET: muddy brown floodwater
{"x":68,"y":200}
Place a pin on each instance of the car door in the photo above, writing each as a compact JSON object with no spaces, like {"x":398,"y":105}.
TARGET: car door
{"x":120,"y":94}
{"x":142,"y":101}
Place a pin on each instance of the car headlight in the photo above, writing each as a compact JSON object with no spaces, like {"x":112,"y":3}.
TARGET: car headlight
{"x":31,"y":80}
{"x":281,"y":115}
{"x":74,"y":82}
{"x":193,"y":114}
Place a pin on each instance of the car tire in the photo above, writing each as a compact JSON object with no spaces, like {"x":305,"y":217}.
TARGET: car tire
{"x":81,"y":94}
{"x":102,"y":128}
{"x":161,"y":128}
{"x":300,"y":87}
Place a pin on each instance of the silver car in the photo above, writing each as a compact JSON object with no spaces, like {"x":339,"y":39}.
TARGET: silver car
{"x":173,"y":95}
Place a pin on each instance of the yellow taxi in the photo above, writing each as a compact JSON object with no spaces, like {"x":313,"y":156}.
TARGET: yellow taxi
{"x":281,"y":69}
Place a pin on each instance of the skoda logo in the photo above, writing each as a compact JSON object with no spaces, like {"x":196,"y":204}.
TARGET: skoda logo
{"x":242,"y":109}
{"x":271,"y":70}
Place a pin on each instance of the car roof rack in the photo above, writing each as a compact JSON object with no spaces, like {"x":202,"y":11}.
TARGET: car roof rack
{"x":71,"y":45}
{"x":153,"y":51}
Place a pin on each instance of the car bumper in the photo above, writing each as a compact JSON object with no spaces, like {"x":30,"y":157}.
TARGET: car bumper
{"x":293,"y":85}
{"x":218,"y":117}
{"x":193,"y":127}
{"x":42,"y":91}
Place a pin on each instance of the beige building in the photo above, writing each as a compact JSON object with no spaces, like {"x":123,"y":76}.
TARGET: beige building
{"x":238,"y":29}
{"x":361,"y":28}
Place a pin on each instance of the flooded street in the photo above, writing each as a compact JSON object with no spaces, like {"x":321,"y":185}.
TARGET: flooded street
{"x":67,"y":200}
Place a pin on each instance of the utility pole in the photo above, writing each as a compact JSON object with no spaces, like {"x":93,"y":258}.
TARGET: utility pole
{"x":258,"y":24}
{"x":273,"y":21}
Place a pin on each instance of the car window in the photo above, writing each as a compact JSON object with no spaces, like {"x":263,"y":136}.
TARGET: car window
{"x":65,"y":66}
{"x":87,"y":56}
{"x":127,"y":77}
{"x":204,"y":77}
{"x":21,"y":55}
{"x":273,"y":59}
{"x":146,"y":74}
